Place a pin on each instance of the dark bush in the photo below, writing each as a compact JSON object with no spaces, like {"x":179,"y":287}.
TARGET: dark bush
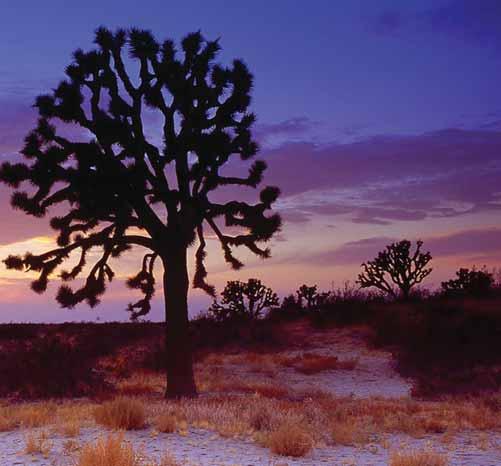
{"x":475,"y":283}
{"x":47,"y":367}
{"x":243,"y":301}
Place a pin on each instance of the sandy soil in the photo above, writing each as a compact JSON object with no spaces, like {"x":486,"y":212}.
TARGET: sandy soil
{"x":374,"y":375}
{"x":202,"y":448}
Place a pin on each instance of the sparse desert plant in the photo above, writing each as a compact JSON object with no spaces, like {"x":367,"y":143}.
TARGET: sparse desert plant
{"x":121,"y":413}
{"x":37,"y":442}
{"x":309,"y":298}
{"x":71,"y":446}
{"x":290,"y":439}
{"x":349,"y":432}
{"x":70,"y":427}
{"x":417,"y":458}
{"x":167,"y":422}
{"x":8,"y":419}
{"x":109,"y":451}
{"x":261,"y":418}
{"x":36,"y":414}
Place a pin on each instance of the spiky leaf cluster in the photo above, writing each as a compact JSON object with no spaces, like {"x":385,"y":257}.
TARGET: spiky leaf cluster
{"x":119,"y":181}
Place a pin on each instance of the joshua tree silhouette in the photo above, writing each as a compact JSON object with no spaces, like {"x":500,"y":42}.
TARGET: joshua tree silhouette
{"x":244,"y":300}
{"x":120,"y":190}
{"x":397,"y":267}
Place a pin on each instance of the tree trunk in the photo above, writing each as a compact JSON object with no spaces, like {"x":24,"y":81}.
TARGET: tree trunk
{"x":179,"y":359}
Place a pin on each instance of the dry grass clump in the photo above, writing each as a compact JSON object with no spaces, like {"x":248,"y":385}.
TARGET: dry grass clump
{"x":168,"y":422}
{"x":111,"y":451}
{"x":69,"y":427}
{"x":121,"y":413}
{"x":313,"y":363}
{"x":8,"y":420}
{"x":290,"y":439}
{"x":349,"y":432}
{"x":238,"y":385}
{"x":37,"y":443}
{"x":140,"y":384}
{"x":418,"y":458}
{"x":36,"y":415}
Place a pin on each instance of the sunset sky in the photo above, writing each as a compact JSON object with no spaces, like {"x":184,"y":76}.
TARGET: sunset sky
{"x":379,"y":121}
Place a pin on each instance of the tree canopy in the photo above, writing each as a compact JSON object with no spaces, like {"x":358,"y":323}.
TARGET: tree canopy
{"x":118,"y":188}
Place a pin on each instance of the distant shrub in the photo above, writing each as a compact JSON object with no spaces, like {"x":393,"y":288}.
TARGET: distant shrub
{"x":49,"y":366}
{"x":121,"y":413}
{"x":476,"y":283}
{"x":244,"y":300}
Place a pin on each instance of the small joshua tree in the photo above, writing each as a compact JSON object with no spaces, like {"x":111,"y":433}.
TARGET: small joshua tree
{"x":244,"y":300}
{"x":396,"y":269}
{"x":308,"y":295}
{"x":116,"y":188}
{"x":478,"y":283}
{"x":309,"y":298}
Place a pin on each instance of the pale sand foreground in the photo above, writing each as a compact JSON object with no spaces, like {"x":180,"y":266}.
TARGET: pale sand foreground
{"x":203,"y":448}
{"x":223,"y":374}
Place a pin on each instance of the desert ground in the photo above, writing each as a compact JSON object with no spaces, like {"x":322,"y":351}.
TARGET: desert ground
{"x":328,"y":398}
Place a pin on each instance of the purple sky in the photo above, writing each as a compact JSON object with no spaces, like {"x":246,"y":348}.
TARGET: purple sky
{"x":380,"y":120}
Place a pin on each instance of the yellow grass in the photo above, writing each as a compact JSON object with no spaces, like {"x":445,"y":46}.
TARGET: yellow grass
{"x":8,"y":419}
{"x":37,"y":443}
{"x":349,"y":432}
{"x":290,"y":439}
{"x":114,"y":451}
{"x":167,"y":422}
{"x":111,"y":451}
{"x":121,"y":413}
{"x":36,"y":415}
{"x":417,"y":458}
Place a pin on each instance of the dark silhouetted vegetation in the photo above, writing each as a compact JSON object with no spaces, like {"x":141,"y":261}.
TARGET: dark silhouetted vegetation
{"x":117,"y":180}
{"x":477,"y":283}
{"x":397,"y":269}
{"x":244,"y":300}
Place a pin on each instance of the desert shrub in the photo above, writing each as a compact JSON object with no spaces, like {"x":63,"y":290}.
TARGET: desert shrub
{"x":37,"y":442}
{"x":417,"y":458}
{"x":110,"y":451}
{"x":245,"y":301}
{"x":290,"y":439}
{"x":476,"y":283}
{"x":167,"y":422}
{"x":35,"y":415}
{"x":261,"y":418}
{"x":121,"y":413}
{"x":349,"y":432}
{"x":448,"y":346}
{"x":47,"y":367}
